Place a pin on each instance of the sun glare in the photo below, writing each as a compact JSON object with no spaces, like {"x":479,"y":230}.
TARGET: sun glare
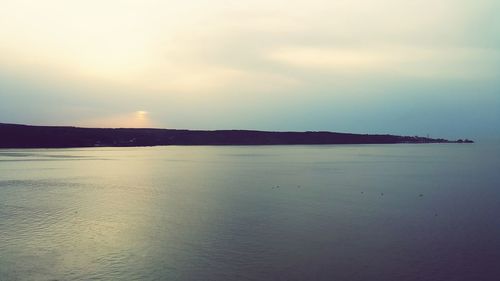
{"x":141,"y":114}
{"x":134,"y":119}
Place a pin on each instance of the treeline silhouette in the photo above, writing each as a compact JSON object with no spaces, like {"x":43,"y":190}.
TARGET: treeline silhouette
{"x":25,"y":136}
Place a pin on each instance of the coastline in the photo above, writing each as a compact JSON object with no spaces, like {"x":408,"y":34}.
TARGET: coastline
{"x":27,"y":136}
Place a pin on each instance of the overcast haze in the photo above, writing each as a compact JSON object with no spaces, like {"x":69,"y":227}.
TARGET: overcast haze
{"x":365,"y":66}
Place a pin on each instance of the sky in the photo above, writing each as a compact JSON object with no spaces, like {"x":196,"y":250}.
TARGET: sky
{"x":410,"y":67}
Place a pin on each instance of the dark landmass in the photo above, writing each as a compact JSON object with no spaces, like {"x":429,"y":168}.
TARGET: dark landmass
{"x":24,"y":136}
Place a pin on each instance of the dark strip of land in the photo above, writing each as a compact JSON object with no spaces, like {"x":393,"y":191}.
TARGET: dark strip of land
{"x":25,"y":136}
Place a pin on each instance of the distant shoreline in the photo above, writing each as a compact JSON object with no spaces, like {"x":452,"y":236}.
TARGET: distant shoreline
{"x":27,"y":136}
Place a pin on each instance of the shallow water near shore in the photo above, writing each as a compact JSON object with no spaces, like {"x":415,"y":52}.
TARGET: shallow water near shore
{"x":331,"y":212}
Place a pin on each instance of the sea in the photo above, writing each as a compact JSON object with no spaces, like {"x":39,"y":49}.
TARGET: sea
{"x":322,"y":212}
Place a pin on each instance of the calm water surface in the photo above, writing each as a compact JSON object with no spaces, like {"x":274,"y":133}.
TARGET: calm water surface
{"x":363,"y":212}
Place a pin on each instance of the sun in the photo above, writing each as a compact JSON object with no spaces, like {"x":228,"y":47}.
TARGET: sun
{"x":141,"y":115}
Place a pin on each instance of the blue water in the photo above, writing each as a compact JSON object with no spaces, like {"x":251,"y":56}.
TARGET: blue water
{"x":346,"y":212}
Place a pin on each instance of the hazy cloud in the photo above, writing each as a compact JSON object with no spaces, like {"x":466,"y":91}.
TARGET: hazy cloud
{"x":318,"y":64}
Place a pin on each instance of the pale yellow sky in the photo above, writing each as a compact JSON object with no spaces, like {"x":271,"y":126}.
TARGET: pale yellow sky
{"x":222,"y":51}
{"x":141,"y":42}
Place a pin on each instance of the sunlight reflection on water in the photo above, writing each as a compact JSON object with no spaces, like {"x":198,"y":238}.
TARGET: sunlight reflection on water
{"x":366,"y":212}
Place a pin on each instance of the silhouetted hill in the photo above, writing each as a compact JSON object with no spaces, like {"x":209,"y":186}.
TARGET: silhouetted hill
{"x":25,"y":136}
